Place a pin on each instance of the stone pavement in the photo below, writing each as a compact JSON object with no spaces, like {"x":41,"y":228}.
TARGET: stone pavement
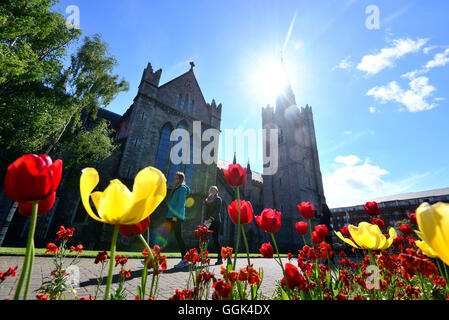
{"x":169,"y":280}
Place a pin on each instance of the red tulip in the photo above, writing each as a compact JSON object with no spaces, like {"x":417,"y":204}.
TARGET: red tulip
{"x":301,"y":228}
{"x":269,"y":220}
{"x":32,"y":178}
{"x":405,"y":229}
{"x":307,"y":210}
{"x":267,"y":250}
{"x":412,"y":218}
{"x":372,"y":208}
{"x":246,"y":212}
{"x":25,"y":208}
{"x":235,"y":175}
{"x":321,"y":231}
{"x":316,"y":238}
{"x":222,"y":288}
{"x":294,"y":277}
{"x":380,"y":223}
{"x":345,"y":232}
{"x":134,"y":230}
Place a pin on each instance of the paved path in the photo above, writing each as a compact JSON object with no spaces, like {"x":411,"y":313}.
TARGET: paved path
{"x":169,"y":281}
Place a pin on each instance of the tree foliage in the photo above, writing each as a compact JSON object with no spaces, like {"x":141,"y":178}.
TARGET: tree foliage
{"x":44,"y":106}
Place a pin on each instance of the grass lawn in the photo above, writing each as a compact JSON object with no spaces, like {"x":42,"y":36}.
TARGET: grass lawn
{"x":93,"y":254}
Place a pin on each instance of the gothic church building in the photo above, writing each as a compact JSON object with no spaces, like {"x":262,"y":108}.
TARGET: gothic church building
{"x":143,"y":134}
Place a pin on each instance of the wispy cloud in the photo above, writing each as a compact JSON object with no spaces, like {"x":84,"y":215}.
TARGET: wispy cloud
{"x":395,"y":15}
{"x":344,"y":64}
{"x":386,"y":58}
{"x":414,"y":99}
{"x":439,"y":60}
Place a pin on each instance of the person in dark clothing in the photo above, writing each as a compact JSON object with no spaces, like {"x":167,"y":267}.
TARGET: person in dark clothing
{"x":325,"y":219}
{"x":213,"y":218}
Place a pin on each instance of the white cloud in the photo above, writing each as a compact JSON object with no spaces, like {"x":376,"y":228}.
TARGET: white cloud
{"x":348,"y":160}
{"x":344,"y":64}
{"x":439,"y":60}
{"x":372,"y":110}
{"x":373,"y":64}
{"x":353,"y":182}
{"x":348,"y":132}
{"x":414,"y":99}
{"x":426,"y":50}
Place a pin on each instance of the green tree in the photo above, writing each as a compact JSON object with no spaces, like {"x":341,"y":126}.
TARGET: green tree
{"x":33,"y":43}
{"x":43,"y":107}
{"x":91,"y":85}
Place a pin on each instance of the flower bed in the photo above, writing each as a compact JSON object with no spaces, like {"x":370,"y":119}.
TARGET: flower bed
{"x":395,"y":265}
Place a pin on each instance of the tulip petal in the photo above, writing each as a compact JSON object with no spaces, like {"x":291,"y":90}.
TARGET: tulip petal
{"x":348,"y":241}
{"x":114,"y":202}
{"x":393,"y":235}
{"x":56,"y":169}
{"x":355,"y":234}
{"x":433,"y":222}
{"x":373,"y":236}
{"x":426,"y":249}
{"x":88,"y":181}
{"x":149,"y":191}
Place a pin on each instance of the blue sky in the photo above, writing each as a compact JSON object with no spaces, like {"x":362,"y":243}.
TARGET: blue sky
{"x":379,"y":96}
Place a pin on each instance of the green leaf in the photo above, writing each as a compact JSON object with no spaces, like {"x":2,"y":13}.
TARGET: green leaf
{"x":284,"y":295}
{"x":139,"y":292}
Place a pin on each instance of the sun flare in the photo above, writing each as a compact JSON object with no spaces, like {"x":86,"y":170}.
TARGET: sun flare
{"x":269,"y":79}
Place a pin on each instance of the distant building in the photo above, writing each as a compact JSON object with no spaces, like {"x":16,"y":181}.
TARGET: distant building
{"x":393,"y":208}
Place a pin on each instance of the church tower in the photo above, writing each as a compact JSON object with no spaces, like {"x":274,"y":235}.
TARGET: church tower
{"x":298,"y":177}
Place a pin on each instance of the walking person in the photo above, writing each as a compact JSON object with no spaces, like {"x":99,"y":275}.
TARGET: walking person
{"x":326,"y":220}
{"x":176,"y":213}
{"x":213,"y":218}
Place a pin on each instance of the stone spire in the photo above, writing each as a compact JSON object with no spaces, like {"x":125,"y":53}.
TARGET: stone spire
{"x":286,"y":98}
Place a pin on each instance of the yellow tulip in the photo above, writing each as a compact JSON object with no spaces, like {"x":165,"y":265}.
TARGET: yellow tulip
{"x":433,"y":224}
{"x":368,"y":236}
{"x":426,"y":249}
{"x":117,"y":205}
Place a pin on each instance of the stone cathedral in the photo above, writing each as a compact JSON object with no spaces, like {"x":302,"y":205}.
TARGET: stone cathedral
{"x":143,"y":134}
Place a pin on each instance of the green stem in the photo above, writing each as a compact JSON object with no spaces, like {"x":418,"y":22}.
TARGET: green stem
{"x":310,"y":230}
{"x":304,"y":240}
{"x":99,"y":281}
{"x":30,"y":269}
{"x":145,"y":268}
{"x":29,"y":251}
{"x":238,"y":231}
{"x":246,"y":244}
{"x":280,"y":262}
{"x":111,"y":261}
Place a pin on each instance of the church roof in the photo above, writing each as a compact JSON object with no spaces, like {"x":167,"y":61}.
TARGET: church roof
{"x":189,"y":75}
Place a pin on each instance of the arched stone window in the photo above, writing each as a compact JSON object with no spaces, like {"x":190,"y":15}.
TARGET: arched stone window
{"x":188,"y":171}
{"x":179,"y":100}
{"x":175,"y":167}
{"x":186,"y":102}
{"x":163,"y":151}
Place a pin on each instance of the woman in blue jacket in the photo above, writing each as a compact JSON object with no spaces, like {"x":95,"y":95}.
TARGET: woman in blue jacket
{"x":177,"y":211}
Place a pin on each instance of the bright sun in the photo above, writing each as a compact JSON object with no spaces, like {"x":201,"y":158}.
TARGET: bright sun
{"x":269,"y":79}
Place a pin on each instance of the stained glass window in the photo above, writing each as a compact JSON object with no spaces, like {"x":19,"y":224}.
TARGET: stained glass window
{"x":164,"y":149}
